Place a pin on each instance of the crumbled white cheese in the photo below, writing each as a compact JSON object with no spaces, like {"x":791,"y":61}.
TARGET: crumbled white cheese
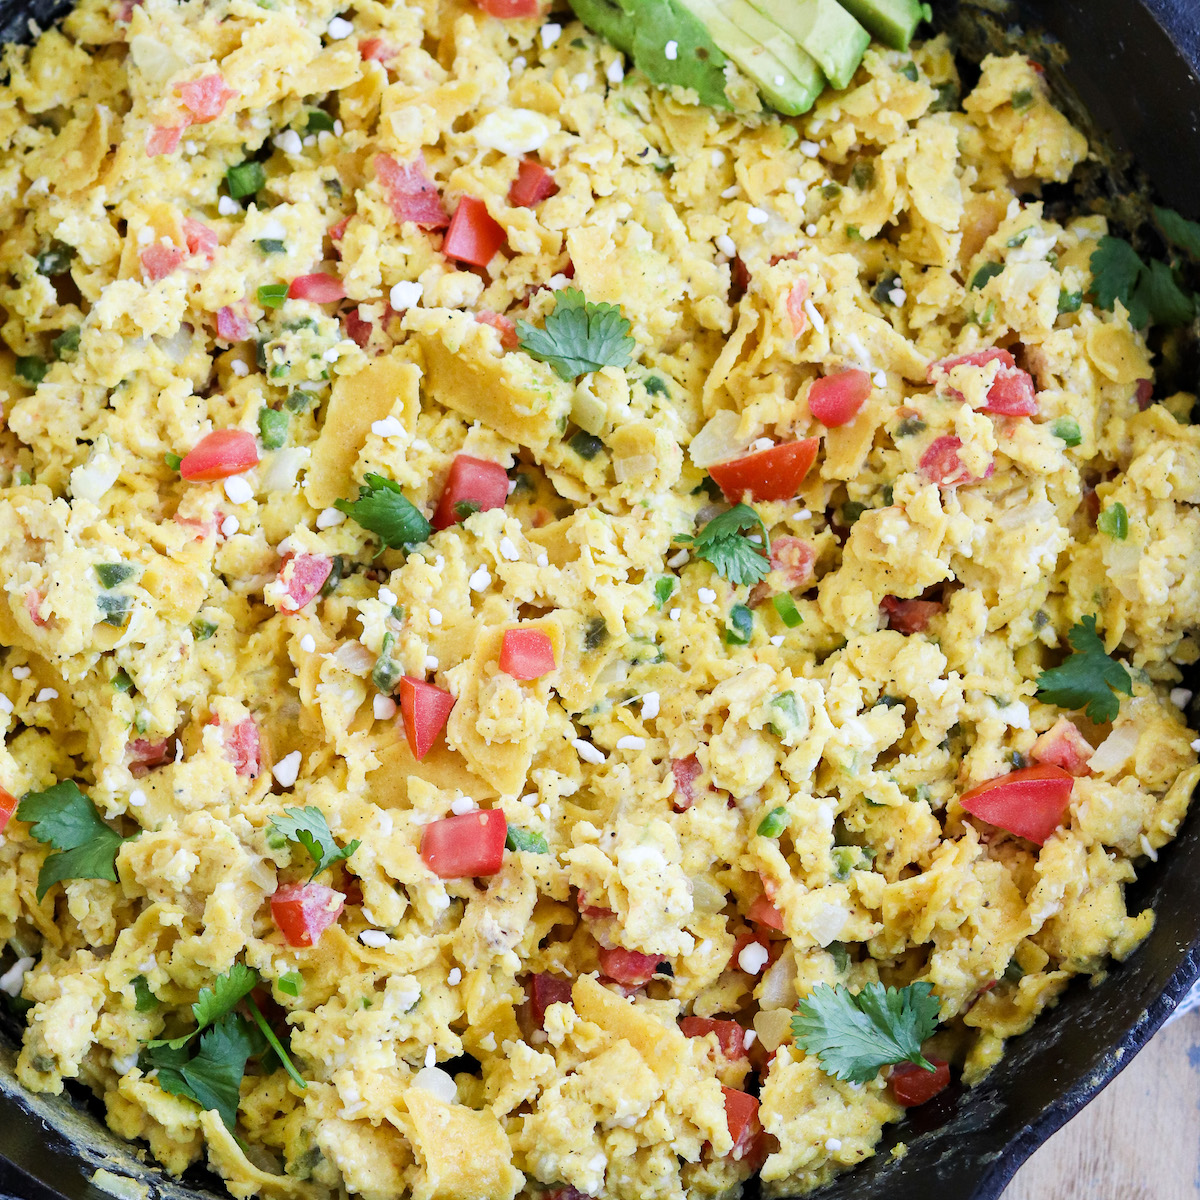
{"x":287,"y":769}
{"x":630,"y":742}
{"x":587,"y":751}
{"x":238,"y":490}
{"x":405,"y":294}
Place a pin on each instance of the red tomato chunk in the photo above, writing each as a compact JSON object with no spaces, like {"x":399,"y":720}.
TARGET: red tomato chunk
{"x":471,"y":481}
{"x":242,"y":747}
{"x":219,"y":454}
{"x":1062,"y":745}
{"x":774,"y":474}
{"x":163,"y":139}
{"x":1030,"y":803}
{"x":200,"y":238}
{"x":232,"y":327}
{"x":158,"y":261}
{"x":526,"y":654}
{"x":911,"y":1084}
{"x":629,"y":967}
{"x":836,"y":399}
{"x":532,"y":185}
{"x":795,"y":307}
{"x":763,"y":912}
{"x":467,"y":845}
{"x":940,"y":463}
{"x":410,"y":193}
{"x":731,"y":1037}
{"x":1011,"y":393}
{"x":741,"y":1113}
{"x":503,"y":325}
{"x":142,"y":754}
{"x":303,"y":576}
{"x":205,"y":98}
{"x":909,"y":616}
{"x":319,"y":288}
{"x":8,"y":806}
{"x":545,"y":990}
{"x":685,"y":772}
{"x":424,"y":709}
{"x":506,"y":9}
{"x":302,"y":912}
{"x":474,"y":235}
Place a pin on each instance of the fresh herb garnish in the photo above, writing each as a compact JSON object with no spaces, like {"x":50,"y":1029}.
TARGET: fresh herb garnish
{"x":525,"y":839}
{"x":1087,"y":678}
{"x":319,"y":121}
{"x":732,"y":554}
{"x":740,"y":626}
{"x":1114,"y":521}
{"x":66,"y":343}
{"x":31,"y":368}
{"x":466,"y":508}
{"x":664,"y":589}
{"x":272,"y":246}
{"x":1069,"y":302}
{"x":384,"y":510}
{"x":66,"y":819}
{"x":56,"y":260}
{"x":853,"y":1034}
{"x":309,"y":827}
{"x":212,"y":1077}
{"x":1148,"y":291}
{"x":579,"y":336}
{"x":144,"y":999}
{"x":988,"y":271}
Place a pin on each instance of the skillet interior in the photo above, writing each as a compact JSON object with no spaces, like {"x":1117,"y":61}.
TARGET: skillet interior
{"x":1134,"y":69}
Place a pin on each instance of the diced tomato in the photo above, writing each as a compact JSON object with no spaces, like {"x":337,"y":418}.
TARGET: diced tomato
{"x":835,"y":399}
{"x":940,"y":463}
{"x":763,"y":912}
{"x":33,"y":606}
{"x":303,"y":911}
{"x":1030,"y":803}
{"x":793,"y":559}
{"x":1144,"y":394}
{"x":377,"y":49}
{"x":526,"y":654}
{"x":545,"y":990}
{"x":739,"y":279}
{"x":471,"y":844}
{"x":591,"y":912}
{"x":533,"y":184}
{"x":142,"y":754}
{"x":628,"y":966}
{"x":1011,"y":394}
{"x":510,"y":8}
{"x":909,"y":616}
{"x":774,"y":474}
{"x":425,"y":709}
{"x":8,"y":806}
{"x":474,"y":235}
{"x":685,"y":772}
{"x":731,"y":1037}
{"x":503,"y":325}
{"x":124,"y":11}
{"x":911,"y":1084}
{"x":319,"y":288}
{"x":741,"y":1114}
{"x":242,"y":747}
{"x":205,"y":98}
{"x":337,"y":231}
{"x":158,"y":261}
{"x":231,"y":326}
{"x":410,"y":193}
{"x":163,"y":139}
{"x":471,"y":481}
{"x":201,"y":238}
{"x":795,"y":308}
{"x":748,"y":937}
{"x":358,"y":330}
{"x":566,"y":1193}
{"x":303,"y":576}
{"x":219,"y":454}
{"x":1062,"y":745}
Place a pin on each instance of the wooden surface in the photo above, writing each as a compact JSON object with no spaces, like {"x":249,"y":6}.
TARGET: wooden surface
{"x":1139,"y":1140}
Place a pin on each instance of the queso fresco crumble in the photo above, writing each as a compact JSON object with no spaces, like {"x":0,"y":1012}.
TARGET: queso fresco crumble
{"x":556,"y":639}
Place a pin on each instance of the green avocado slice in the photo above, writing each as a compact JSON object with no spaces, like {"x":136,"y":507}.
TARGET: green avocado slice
{"x":824,"y":29}
{"x":893,"y":22}
{"x":788,"y":78}
{"x":664,"y":40}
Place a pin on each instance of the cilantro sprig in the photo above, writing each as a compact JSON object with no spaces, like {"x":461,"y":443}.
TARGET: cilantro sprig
{"x":1087,"y":678}
{"x":309,"y":828}
{"x":66,"y":819}
{"x":384,"y":510}
{"x":215,"y":1002}
{"x":853,"y":1034}
{"x":724,"y":542}
{"x":579,"y":336}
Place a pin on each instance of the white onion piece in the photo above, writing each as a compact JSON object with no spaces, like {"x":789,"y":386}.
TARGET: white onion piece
{"x":718,"y":439}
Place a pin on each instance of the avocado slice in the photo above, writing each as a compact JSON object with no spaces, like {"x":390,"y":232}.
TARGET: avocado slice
{"x":664,"y":40}
{"x":788,"y":78}
{"x":823,"y":28}
{"x":893,"y":22}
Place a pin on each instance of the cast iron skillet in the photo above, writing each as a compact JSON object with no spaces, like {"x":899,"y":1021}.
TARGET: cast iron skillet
{"x":1134,"y":67}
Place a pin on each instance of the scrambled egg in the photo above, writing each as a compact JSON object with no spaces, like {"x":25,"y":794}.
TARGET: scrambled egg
{"x":211,"y":685}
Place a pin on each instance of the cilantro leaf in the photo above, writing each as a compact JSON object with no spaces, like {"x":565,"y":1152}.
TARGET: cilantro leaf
{"x":1179,"y":231}
{"x":213,"y":1076}
{"x":853,"y":1035}
{"x":66,"y":819}
{"x":1149,"y":292}
{"x":144,"y":999}
{"x":384,"y":510}
{"x":215,"y":1002}
{"x":579,"y":336}
{"x":732,"y":554}
{"x":309,"y":827}
{"x":1087,"y":678}
{"x":274,"y":1044}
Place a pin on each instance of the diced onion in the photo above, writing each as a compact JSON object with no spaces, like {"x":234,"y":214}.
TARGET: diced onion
{"x":1116,"y":750}
{"x":718,"y":439}
{"x":777,"y":988}
{"x":772,"y":1026}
